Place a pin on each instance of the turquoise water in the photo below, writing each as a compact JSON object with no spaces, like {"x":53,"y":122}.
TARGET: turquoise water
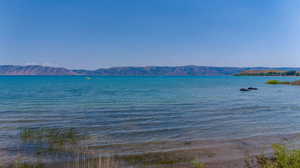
{"x":125,"y":110}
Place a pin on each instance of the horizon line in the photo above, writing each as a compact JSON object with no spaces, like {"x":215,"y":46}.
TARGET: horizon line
{"x":145,"y":66}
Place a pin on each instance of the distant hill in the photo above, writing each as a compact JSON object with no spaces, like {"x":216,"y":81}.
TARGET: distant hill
{"x":190,"y":70}
{"x":33,"y":70}
{"x":167,"y":71}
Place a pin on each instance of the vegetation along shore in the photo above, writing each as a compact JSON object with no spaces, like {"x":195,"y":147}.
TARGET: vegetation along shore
{"x":63,"y":148}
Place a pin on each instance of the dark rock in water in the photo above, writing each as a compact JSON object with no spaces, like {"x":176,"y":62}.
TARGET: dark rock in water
{"x":252,"y":88}
{"x":244,"y":90}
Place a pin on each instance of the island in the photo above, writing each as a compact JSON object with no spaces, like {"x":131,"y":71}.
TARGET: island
{"x":268,"y":73}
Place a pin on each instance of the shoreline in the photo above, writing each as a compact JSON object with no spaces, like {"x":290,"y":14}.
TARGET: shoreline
{"x":216,"y":153}
{"x":213,"y":153}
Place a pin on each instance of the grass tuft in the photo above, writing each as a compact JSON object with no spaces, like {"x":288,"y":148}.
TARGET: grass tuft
{"x":198,"y":164}
{"x":29,"y":165}
{"x":156,"y":158}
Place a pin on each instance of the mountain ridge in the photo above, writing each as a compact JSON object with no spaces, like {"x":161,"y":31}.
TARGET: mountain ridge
{"x":188,"y":70}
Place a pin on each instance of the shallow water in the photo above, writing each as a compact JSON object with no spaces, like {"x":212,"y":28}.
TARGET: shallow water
{"x":122,"y":110}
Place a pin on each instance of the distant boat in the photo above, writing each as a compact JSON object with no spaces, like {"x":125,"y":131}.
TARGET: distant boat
{"x":88,"y":78}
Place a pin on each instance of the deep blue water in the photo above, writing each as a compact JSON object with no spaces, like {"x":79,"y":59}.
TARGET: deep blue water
{"x":143,"y":109}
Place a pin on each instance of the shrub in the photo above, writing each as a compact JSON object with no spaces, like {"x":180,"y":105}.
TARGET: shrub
{"x":283,"y":158}
{"x":276,"y":82}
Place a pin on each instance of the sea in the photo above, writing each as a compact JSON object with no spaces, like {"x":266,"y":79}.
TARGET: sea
{"x":137,"y":110}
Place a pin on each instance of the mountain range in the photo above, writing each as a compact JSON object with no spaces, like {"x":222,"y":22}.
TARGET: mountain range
{"x":189,"y":70}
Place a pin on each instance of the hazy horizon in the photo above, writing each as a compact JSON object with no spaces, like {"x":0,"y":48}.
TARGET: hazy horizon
{"x":113,"y":33}
{"x":141,"y":66}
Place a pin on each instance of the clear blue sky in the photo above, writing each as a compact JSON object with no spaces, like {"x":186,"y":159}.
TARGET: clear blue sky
{"x":103,"y":33}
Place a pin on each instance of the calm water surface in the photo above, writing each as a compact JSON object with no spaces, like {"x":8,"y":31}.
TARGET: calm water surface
{"x":142,"y":109}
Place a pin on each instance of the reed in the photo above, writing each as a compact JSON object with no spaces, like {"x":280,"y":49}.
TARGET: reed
{"x":63,"y":146}
{"x":81,"y":161}
{"x":47,"y":141}
{"x":98,"y":162}
{"x":63,"y":149}
{"x":53,"y":136}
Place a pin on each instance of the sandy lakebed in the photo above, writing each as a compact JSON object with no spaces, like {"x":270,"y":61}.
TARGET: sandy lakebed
{"x":229,"y":153}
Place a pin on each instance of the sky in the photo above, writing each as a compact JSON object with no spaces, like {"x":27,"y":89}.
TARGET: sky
{"x":106,"y":33}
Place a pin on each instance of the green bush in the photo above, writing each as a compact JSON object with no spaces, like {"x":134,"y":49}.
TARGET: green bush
{"x":285,"y":158}
{"x":282,"y":158}
{"x":276,"y":82}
